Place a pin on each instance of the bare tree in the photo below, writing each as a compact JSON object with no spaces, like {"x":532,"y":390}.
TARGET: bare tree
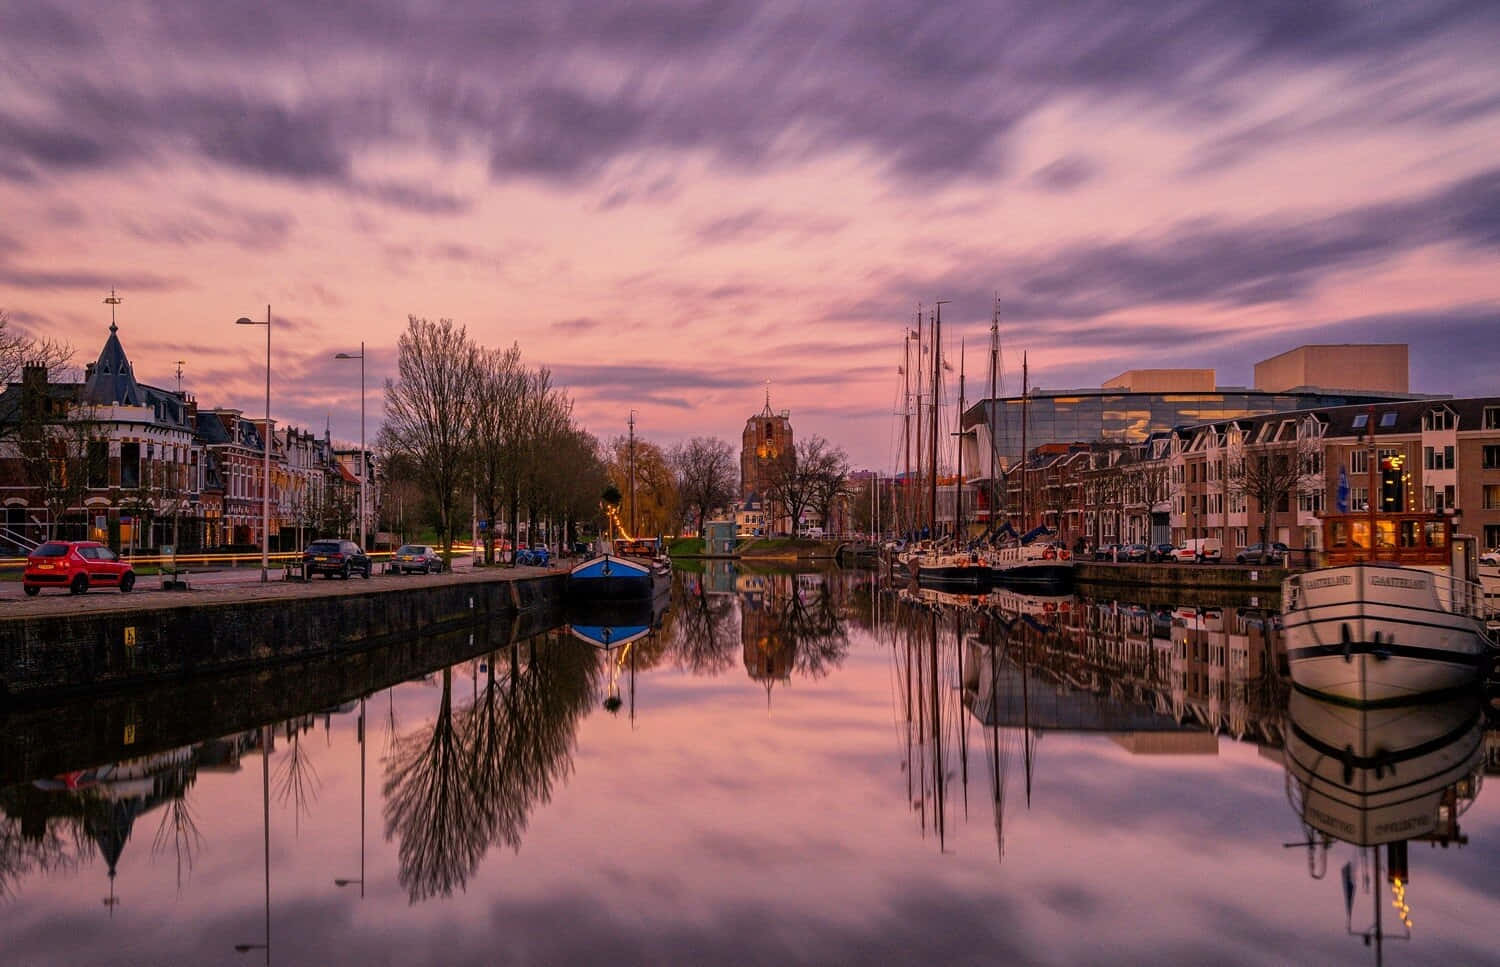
{"x":1273,"y":476}
{"x":500,"y":394}
{"x":827,"y":468}
{"x":800,"y":478}
{"x":429,"y":411}
{"x":655,"y":492}
{"x":706,"y":476}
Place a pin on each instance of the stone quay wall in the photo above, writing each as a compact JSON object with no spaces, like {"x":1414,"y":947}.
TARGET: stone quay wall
{"x":55,"y":655}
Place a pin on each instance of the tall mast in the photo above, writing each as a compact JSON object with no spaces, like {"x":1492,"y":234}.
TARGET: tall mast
{"x":994,"y":404}
{"x":937,"y":375}
{"x":632,"y":473}
{"x":906,"y":407}
{"x":921,"y":422}
{"x":958,"y":483}
{"x":1025,"y":402}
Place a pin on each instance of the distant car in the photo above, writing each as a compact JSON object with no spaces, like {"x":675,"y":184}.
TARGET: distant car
{"x":1134,"y":552}
{"x":1491,"y":557}
{"x":77,"y":566}
{"x":1201,"y":550}
{"x":417,"y":558}
{"x":336,"y":557}
{"x":1159,"y":552}
{"x":1104,"y":552}
{"x":1255,"y":553}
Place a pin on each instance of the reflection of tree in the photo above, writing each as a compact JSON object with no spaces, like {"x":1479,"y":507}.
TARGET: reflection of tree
{"x":473,"y":778}
{"x":428,"y":805}
{"x":180,"y":830}
{"x":27,"y":848}
{"x":810,"y":623}
{"x":702,"y":630}
{"x":296,"y":779}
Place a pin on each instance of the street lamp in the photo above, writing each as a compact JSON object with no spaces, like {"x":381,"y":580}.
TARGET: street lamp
{"x":265,"y":497}
{"x":364,"y":469}
{"x":350,"y":881}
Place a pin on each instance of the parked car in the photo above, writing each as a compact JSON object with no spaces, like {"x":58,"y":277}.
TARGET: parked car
{"x":1105,"y":552}
{"x":1134,"y":553}
{"x":1491,"y":557}
{"x":1203,"y":550}
{"x":1256,"y":553}
{"x":335,"y":557}
{"x":1159,"y":552}
{"x":417,"y":558}
{"x":77,"y":566}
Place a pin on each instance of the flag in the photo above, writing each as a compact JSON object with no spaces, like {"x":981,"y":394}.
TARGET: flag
{"x":1341,"y":501}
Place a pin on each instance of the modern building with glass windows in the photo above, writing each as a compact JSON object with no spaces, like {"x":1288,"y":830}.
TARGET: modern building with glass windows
{"x":1135,"y":404}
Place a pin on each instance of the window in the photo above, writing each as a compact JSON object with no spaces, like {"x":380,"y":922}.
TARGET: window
{"x":1361,"y":421}
{"x":1492,"y":457}
{"x":1359,"y":461}
{"x":1440,"y":419}
{"x":1492,"y":535}
{"x":1388,"y":419}
{"x":1435,"y":459}
{"x":1492,"y":417}
{"x":130,"y":465}
{"x":1492,"y":496}
{"x":1311,"y":503}
{"x":99,"y":464}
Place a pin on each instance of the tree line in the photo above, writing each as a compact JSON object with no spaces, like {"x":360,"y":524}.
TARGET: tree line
{"x":469,"y":426}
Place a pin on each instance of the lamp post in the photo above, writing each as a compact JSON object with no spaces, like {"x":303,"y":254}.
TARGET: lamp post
{"x":364,"y":468}
{"x":349,"y":881}
{"x":265,"y":497}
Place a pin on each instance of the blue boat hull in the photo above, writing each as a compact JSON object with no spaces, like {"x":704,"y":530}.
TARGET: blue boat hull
{"x":610,"y":578}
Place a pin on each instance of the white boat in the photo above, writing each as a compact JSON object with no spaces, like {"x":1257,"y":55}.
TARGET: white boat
{"x":1382,"y":775}
{"x":1393,"y":615}
{"x":955,"y":570}
{"x":1032,"y":566}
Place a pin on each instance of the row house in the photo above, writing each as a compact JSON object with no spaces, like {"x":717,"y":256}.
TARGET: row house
{"x":1276,"y":474}
{"x":137,"y":466}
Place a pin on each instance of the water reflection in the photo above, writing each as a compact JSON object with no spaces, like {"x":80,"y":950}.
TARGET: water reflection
{"x":1087,"y":728}
{"x":1376,"y":778}
{"x":470,"y":779}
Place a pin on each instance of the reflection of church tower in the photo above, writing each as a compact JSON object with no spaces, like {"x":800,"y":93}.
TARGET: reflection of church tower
{"x":768,"y":654}
{"x":767,"y":436}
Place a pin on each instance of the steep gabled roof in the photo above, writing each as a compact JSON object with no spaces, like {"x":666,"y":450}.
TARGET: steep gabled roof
{"x":113,"y":379}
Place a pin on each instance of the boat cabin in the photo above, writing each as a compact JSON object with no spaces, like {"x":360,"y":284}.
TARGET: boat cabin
{"x":1411,"y":540}
{"x":637,"y":547}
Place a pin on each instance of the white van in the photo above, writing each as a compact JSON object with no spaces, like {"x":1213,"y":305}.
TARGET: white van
{"x":815,"y":532}
{"x":1208,"y":550}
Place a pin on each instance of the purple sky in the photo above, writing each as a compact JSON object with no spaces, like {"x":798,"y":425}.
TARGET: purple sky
{"x":671,"y":203}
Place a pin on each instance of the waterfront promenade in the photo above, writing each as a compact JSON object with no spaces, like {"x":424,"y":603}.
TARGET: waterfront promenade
{"x":241,"y":584}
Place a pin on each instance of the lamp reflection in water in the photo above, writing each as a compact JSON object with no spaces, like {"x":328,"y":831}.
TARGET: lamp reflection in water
{"x":349,"y":881}
{"x":1381,"y":777}
{"x":265,"y":801}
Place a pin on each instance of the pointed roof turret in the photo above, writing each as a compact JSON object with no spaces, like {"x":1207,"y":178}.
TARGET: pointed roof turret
{"x":113,"y":379}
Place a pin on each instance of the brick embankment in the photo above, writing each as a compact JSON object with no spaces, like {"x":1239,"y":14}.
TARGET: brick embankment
{"x":53,"y":646}
{"x":1171,"y":577}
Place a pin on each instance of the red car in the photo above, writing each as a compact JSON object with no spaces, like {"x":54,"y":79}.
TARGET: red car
{"x":77,"y":566}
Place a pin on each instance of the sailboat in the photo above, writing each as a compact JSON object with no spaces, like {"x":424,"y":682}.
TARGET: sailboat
{"x":1027,"y":563}
{"x":958,"y":567}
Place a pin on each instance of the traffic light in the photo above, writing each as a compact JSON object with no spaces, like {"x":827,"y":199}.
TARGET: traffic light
{"x":1392,"y":489}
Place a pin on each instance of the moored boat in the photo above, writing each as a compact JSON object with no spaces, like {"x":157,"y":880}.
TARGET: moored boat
{"x":958,"y":570}
{"x":1394,"y":614}
{"x":1032,"y":566}
{"x":628,"y":570}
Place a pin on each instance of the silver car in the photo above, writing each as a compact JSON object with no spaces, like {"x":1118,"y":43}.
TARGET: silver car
{"x":416,"y":558}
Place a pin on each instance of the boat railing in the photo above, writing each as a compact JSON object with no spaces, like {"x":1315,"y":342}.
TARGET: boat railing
{"x":1457,"y":595}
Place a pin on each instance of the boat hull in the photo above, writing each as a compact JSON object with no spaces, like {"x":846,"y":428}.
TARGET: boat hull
{"x":1049,"y":578}
{"x":954,"y":577}
{"x":610,"y":578}
{"x":1372,"y":634}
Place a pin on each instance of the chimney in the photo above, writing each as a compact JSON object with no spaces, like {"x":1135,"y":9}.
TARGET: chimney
{"x":88,"y":372}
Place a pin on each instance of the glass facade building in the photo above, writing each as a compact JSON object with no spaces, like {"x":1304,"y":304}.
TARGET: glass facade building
{"x":1118,"y":416}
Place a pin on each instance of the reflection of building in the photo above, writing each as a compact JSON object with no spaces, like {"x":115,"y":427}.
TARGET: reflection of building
{"x":769,"y":653}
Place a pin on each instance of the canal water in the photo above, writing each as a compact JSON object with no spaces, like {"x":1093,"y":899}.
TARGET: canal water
{"x":785,"y":767}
